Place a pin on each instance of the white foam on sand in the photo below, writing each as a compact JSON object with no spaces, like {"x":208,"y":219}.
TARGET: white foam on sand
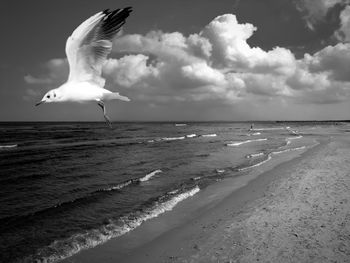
{"x":180,"y":124}
{"x":150,"y":175}
{"x":243,"y":142}
{"x":191,"y":135}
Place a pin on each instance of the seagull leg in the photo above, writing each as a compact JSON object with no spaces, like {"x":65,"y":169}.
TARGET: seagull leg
{"x":102,"y":105}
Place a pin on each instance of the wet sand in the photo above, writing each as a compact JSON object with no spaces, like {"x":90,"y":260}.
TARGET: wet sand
{"x":299,"y":211}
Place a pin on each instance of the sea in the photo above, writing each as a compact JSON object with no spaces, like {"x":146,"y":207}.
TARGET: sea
{"x":68,"y":186}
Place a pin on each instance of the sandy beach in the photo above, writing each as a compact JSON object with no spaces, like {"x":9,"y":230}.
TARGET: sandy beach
{"x":296,"y":212}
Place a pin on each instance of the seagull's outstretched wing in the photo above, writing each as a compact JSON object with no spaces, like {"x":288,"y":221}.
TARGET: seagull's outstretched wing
{"x":90,"y":43}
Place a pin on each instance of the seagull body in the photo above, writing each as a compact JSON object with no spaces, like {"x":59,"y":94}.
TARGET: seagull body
{"x":87,"y":49}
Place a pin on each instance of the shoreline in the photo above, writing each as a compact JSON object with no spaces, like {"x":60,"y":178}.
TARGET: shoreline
{"x":297,"y":212}
{"x":158,"y":240}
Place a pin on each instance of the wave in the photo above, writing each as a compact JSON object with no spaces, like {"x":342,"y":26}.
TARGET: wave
{"x":295,"y":138}
{"x":61,"y":249}
{"x":174,"y":191}
{"x":257,"y":164}
{"x":209,"y":135}
{"x":8,"y":146}
{"x":180,"y":124}
{"x":79,"y":201}
{"x":269,"y":156}
{"x":118,"y":186}
{"x":289,"y":150}
{"x":173,"y":138}
{"x":243,"y":142}
{"x":254,"y":155}
{"x":268,"y":129}
{"x":220,"y":171}
{"x":191,"y":135}
{"x":256,"y":133}
{"x":150,"y":175}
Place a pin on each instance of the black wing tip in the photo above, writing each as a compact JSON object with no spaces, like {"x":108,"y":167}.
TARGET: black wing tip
{"x":119,"y":10}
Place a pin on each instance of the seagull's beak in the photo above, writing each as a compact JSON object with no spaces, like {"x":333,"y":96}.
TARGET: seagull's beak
{"x":40,"y":102}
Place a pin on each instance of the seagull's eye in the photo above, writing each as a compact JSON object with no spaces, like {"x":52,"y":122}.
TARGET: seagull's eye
{"x":54,"y":95}
{"x":48,"y":96}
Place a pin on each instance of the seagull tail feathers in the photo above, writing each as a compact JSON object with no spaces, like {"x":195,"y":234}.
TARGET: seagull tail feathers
{"x":115,"y":96}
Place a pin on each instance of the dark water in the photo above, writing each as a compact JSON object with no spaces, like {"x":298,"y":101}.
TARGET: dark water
{"x":71,"y":186}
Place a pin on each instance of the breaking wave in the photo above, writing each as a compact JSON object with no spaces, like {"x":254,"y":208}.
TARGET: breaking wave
{"x":269,"y":129}
{"x":269,"y":156}
{"x":295,"y":138}
{"x":243,"y":142}
{"x":257,"y":164}
{"x":150,"y":175}
{"x":209,"y":135}
{"x":8,"y":146}
{"x":289,"y":150}
{"x":173,"y":138}
{"x":61,"y":249}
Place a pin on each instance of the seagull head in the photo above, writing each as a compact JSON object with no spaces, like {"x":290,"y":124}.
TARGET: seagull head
{"x":51,"y":96}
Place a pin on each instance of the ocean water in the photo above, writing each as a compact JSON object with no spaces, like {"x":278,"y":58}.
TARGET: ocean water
{"x":71,"y":186}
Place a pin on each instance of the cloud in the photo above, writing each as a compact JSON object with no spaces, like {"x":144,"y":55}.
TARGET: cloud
{"x":217,"y":66}
{"x":129,"y":70}
{"x":55,"y":71}
{"x":316,"y":11}
{"x":343,"y":33}
{"x":230,"y":48}
{"x":332,"y":60}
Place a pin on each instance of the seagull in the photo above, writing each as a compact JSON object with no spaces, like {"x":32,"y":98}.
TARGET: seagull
{"x":87,"y":50}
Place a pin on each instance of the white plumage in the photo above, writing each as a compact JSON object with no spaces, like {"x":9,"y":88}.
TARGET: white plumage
{"x":87,"y":50}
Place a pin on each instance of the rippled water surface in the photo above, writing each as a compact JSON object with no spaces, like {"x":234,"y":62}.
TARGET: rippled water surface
{"x":71,"y":186}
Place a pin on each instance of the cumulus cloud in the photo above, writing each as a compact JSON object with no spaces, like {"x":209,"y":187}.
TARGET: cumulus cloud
{"x":231,"y":49}
{"x":332,"y":60}
{"x":217,"y":65}
{"x":129,"y":70}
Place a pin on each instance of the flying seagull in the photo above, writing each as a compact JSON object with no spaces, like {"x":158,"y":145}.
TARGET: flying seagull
{"x":87,"y":49}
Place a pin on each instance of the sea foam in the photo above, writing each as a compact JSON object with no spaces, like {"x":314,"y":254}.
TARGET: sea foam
{"x":289,"y":150}
{"x":209,"y":135}
{"x":257,"y":164}
{"x":61,"y":249}
{"x":243,"y":142}
{"x":150,"y":175}
{"x":295,"y":138}
{"x":173,"y":138}
{"x":8,"y":146}
{"x":254,"y":155}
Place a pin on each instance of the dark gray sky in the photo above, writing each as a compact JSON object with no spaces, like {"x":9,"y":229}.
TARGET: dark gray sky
{"x":186,"y":59}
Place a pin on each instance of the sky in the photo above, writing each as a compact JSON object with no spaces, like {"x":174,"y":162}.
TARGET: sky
{"x":190,"y":60}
